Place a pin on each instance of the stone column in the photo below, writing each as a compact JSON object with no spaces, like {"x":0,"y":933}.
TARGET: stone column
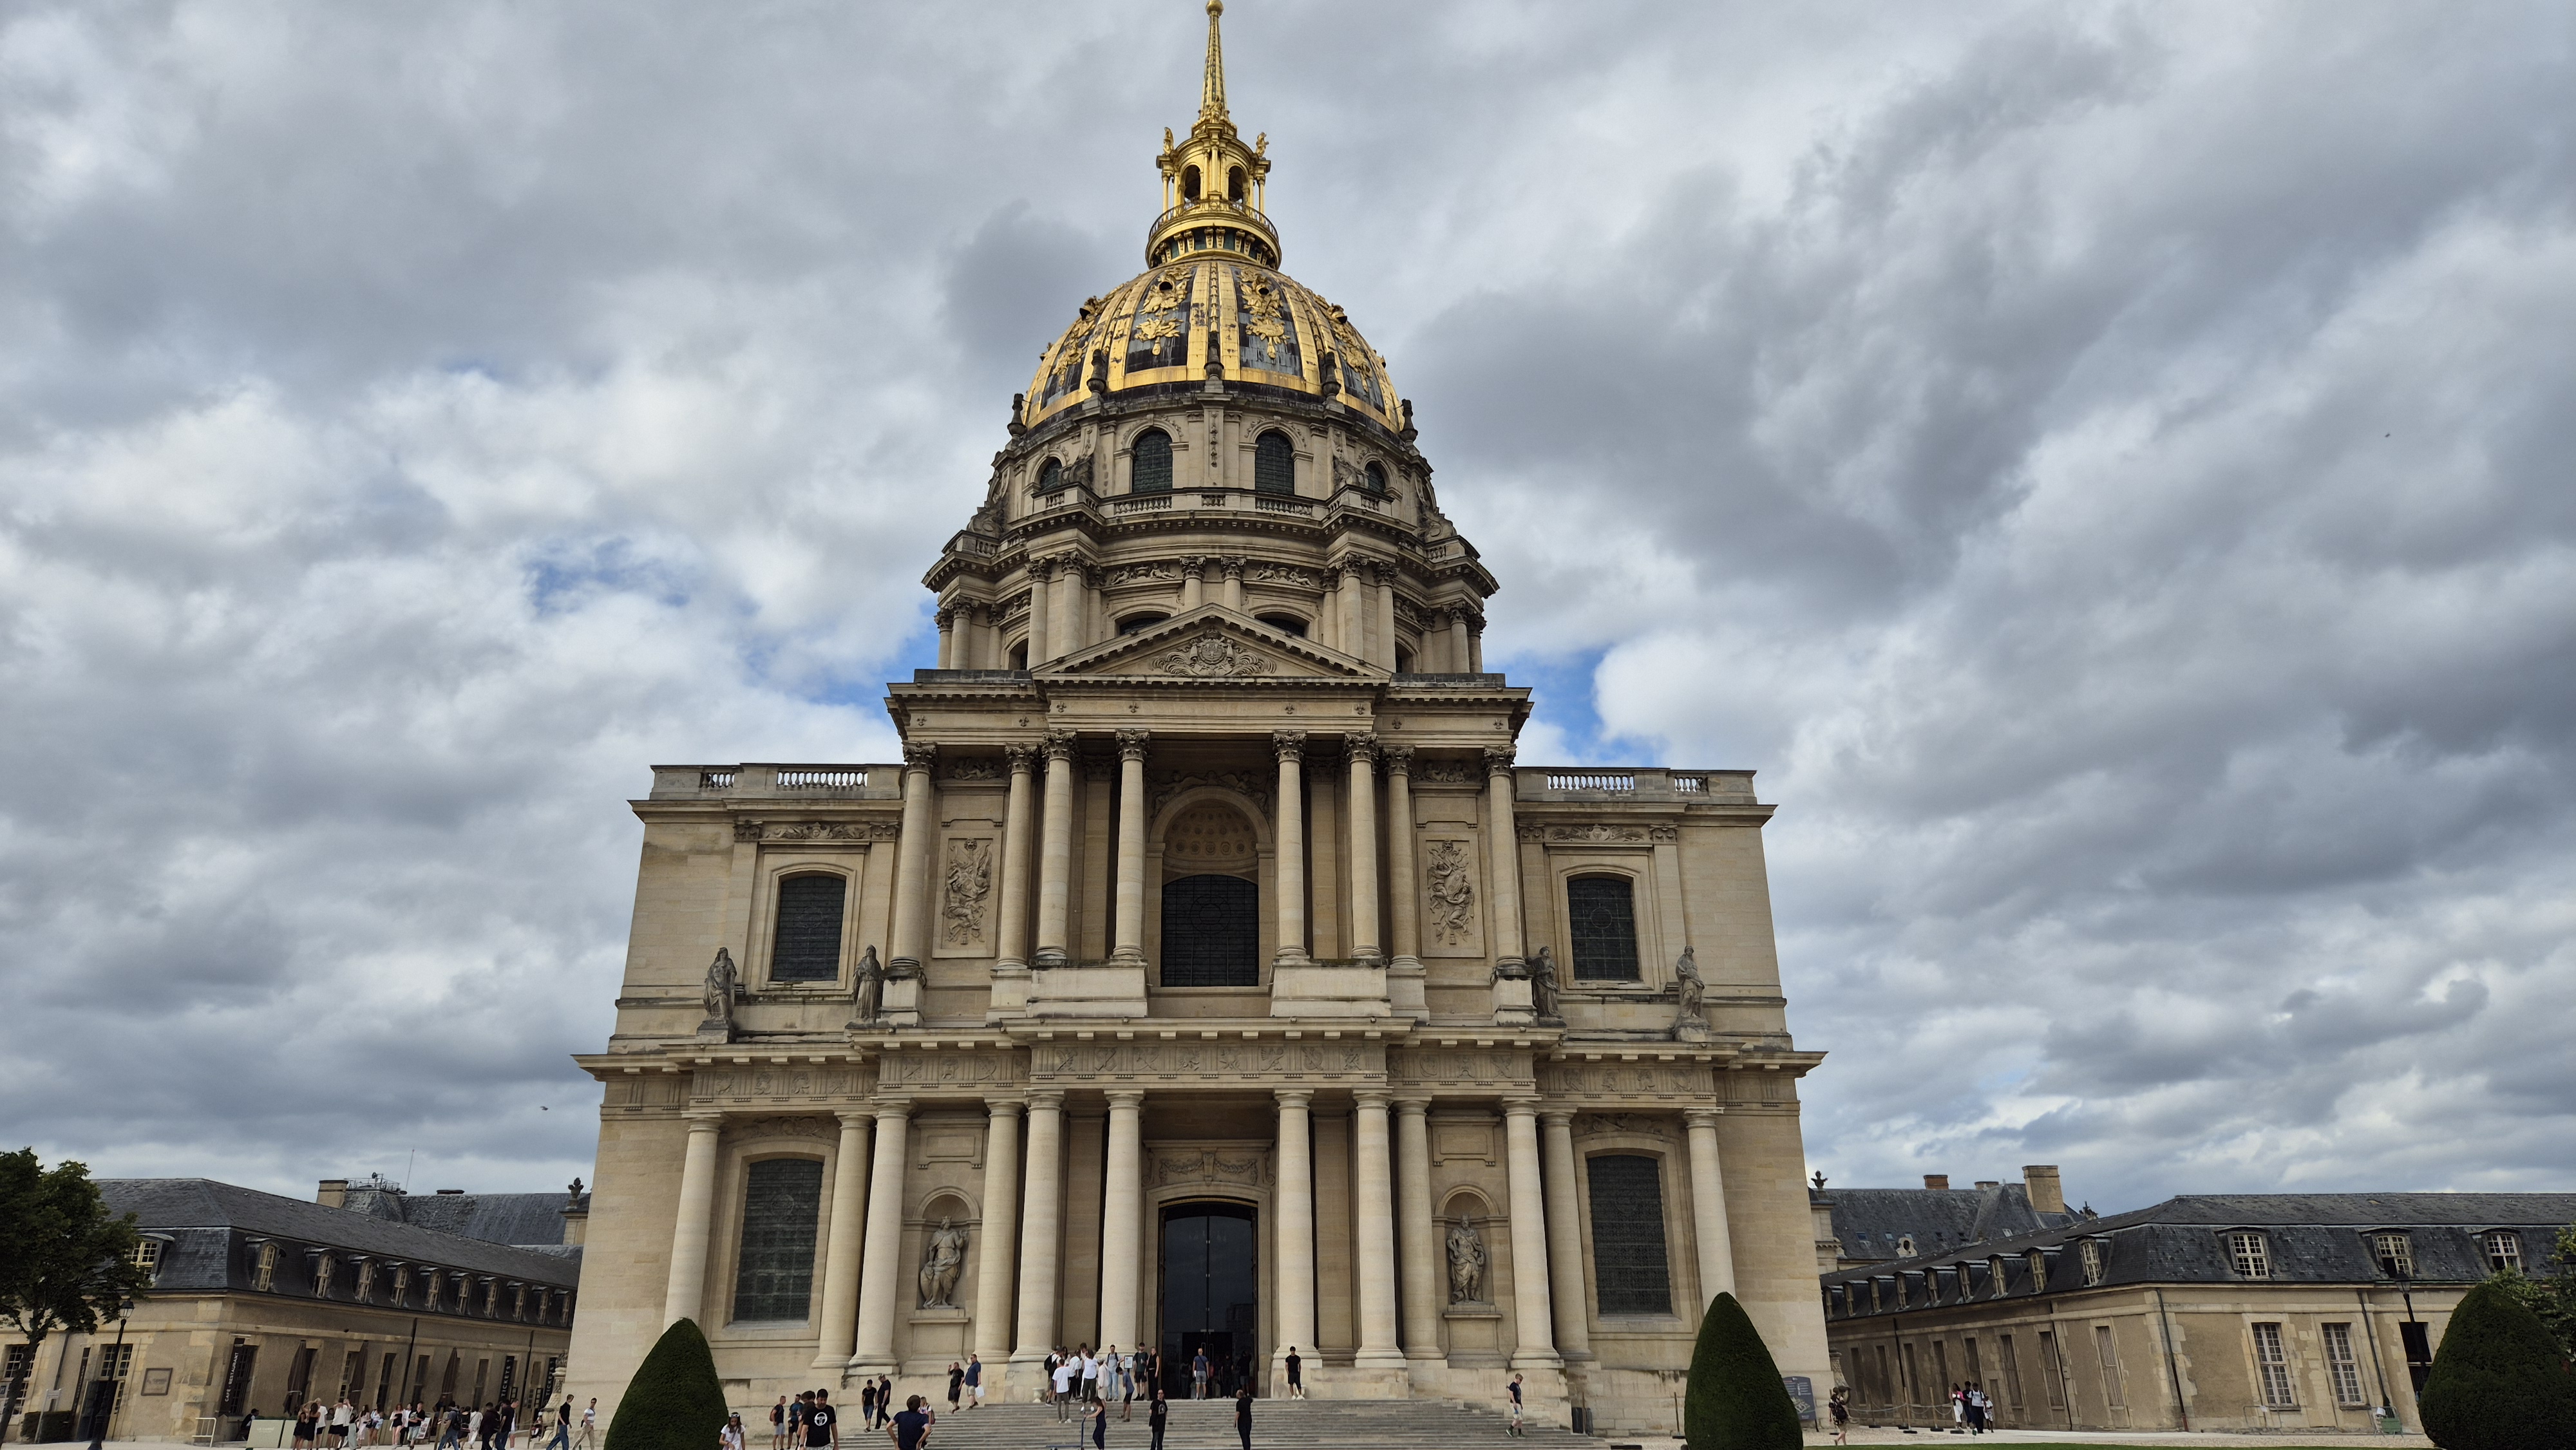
{"x":1290,"y":836}
{"x":1530,"y":1301}
{"x":911,"y":931}
{"x":1055,"y":852}
{"x":1476,"y":646}
{"x":1000,"y":1249}
{"x":1422,"y":1256}
{"x":1122,"y":1222}
{"x":1708,"y":1207}
{"x":688,"y":1281}
{"x":1095,"y":619}
{"x":841,"y":1242}
{"x":1365,"y":941}
{"x":1565,"y":1238}
{"x":1129,"y":948}
{"x":1353,"y":605}
{"x":1010,"y":997}
{"x":881,"y":1272}
{"x":1457,"y":650}
{"x":1193,"y":583}
{"x":1374,"y":1209}
{"x":1041,"y":583}
{"x":1295,"y":1276}
{"x":1502,"y":855}
{"x":1232,"y":590}
{"x":1404,"y":974}
{"x":1385,"y":656}
{"x":947,"y":618}
{"x":1041,"y":1219}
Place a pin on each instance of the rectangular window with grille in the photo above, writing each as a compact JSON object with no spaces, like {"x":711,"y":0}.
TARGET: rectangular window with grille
{"x":2250,"y":1254}
{"x":1601,"y":917}
{"x":808,"y":946}
{"x":2396,"y":1256}
{"x":782,"y":1199}
{"x":1630,"y":1270}
{"x":2341,"y":1366}
{"x":2272,"y":1361}
{"x":2504,"y":1252}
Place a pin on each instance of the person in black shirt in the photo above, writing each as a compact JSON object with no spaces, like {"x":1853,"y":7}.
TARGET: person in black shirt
{"x":1243,"y":1415}
{"x":822,"y":1427}
{"x":910,"y":1427}
{"x":1158,"y":1414}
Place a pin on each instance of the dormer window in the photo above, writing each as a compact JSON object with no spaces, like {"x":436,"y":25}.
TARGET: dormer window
{"x":1905,"y":1246}
{"x":1375,"y":478}
{"x":2250,"y":1255}
{"x":2037,"y":1263}
{"x":1995,"y":1275}
{"x":2394,"y":1254}
{"x":2504,"y":1251}
{"x":2095,"y":1256}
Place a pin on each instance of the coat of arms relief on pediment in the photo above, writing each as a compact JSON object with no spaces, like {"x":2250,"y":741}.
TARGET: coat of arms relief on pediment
{"x":1207,"y":645}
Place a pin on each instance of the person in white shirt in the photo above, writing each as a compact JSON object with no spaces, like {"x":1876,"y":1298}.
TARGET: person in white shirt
{"x":1065,"y":1372}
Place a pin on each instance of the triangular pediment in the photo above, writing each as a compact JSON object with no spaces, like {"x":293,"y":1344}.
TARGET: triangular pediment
{"x":1211,"y":642}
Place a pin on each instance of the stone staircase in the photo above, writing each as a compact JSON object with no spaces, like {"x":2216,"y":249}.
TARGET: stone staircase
{"x":1276,"y":1425}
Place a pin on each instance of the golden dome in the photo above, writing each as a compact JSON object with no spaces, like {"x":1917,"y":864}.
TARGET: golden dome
{"x":1267,"y":329}
{"x":1215,"y":305}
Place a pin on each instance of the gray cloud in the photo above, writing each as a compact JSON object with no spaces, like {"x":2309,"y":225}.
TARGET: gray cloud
{"x":2103,"y":464}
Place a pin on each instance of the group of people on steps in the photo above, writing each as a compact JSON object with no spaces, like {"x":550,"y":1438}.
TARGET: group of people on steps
{"x":499,"y":1425}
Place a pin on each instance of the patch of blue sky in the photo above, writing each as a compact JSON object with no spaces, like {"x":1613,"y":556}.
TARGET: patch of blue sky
{"x":568,"y":573}
{"x":1563,"y":699}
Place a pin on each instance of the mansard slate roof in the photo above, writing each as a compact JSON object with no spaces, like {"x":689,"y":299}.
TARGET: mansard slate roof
{"x":203,"y":1221}
{"x":528,"y":1220}
{"x":1870,"y":1221}
{"x":2313,"y":1238}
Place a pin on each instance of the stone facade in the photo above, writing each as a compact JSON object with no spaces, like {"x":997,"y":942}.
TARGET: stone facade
{"x":1208,"y":888}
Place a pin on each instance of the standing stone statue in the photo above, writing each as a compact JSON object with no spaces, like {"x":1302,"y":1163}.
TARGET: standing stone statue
{"x":942,"y":1260}
{"x":722,"y":982}
{"x":870,"y":990}
{"x":1688,"y":1021}
{"x":1542,"y":970}
{"x":1466,"y":1264}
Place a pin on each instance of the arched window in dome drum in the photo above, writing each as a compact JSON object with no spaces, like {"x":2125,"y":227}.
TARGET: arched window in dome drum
{"x":1267,"y":324}
{"x":1189,"y":183}
{"x":1234,"y":184}
{"x":1050,"y":476}
{"x":1160,"y":335}
{"x":1274,"y":463}
{"x":1150,"y":470}
{"x":1376,"y":478}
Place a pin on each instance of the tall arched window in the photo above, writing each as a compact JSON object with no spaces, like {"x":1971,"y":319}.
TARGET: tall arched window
{"x":1050,"y":476}
{"x":1629,"y":1266}
{"x":782,"y":1199}
{"x":1601,"y":915}
{"x":1151,"y":472}
{"x":807,"y":945}
{"x":1234,"y":183}
{"x":1211,"y":932}
{"x":1376,"y":478}
{"x":1189,"y":183}
{"x":1274,"y":463}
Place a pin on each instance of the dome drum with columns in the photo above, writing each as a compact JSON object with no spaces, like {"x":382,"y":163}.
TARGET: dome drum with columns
{"x":1209,"y":973}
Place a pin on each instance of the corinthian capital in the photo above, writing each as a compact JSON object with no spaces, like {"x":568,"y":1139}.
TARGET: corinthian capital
{"x":1498,"y":759}
{"x":1398,"y":758}
{"x":1059,"y":745}
{"x":1131,"y":744}
{"x":919,"y":757}
{"x":1288,"y":744}
{"x":1359,"y":749}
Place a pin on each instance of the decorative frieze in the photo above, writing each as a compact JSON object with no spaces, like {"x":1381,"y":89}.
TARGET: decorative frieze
{"x":1447,"y":772}
{"x":929,"y":1071}
{"x":1433,"y":1066}
{"x":1212,"y":656}
{"x":818,"y":830}
{"x":1247,"y":1062}
{"x":740,"y":1083}
{"x":825,"y":1129}
{"x":1243,"y":1167}
{"x":1598,"y":833}
{"x":1597,"y":1080}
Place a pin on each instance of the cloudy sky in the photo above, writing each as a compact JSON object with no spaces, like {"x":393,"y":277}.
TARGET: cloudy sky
{"x":2107,"y":466}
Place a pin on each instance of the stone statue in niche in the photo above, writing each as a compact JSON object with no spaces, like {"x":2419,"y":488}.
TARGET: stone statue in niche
{"x":942,"y":1260}
{"x":968,"y":881}
{"x":722,"y":983}
{"x":870,"y":990}
{"x":1689,"y":1023}
{"x":1542,"y":971}
{"x":1466,"y":1264}
{"x":1449,"y":889}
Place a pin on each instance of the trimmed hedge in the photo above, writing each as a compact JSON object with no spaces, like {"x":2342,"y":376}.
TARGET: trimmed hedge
{"x":1736,"y":1400}
{"x":2497,"y":1382}
{"x":675,"y":1401}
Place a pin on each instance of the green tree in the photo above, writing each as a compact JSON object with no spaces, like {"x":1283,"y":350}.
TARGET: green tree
{"x":65,"y":1261}
{"x":2498,"y":1381}
{"x":675,"y":1401}
{"x":1736,"y":1400}
{"x":2551,"y":1296}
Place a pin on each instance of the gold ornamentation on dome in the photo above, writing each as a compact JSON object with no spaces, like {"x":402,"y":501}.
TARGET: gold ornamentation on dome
{"x":1262,"y":313}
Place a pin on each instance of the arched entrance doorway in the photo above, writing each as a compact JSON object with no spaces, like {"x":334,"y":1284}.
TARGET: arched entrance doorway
{"x":1211,"y":1294}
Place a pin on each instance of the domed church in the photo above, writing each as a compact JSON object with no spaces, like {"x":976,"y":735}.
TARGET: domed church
{"x":1209,"y":976}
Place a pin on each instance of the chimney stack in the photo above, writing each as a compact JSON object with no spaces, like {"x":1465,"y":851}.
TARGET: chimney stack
{"x":334,"y":1193}
{"x":2047,"y":1195}
{"x":1936,"y":1180}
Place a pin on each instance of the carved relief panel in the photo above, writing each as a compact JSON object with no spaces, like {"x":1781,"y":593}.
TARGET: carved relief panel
{"x":1453,"y":894}
{"x":968,"y":869}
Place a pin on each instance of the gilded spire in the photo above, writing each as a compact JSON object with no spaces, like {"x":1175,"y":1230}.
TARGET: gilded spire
{"x":1212,"y":90}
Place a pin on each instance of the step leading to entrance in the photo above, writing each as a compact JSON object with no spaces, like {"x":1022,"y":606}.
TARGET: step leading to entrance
{"x":1276,"y":1425}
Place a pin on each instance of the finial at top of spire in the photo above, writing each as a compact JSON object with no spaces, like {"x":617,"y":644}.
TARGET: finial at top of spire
{"x":1212,"y":90}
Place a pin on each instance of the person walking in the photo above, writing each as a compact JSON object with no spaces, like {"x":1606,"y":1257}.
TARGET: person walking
{"x":885,"y":1400}
{"x":589,"y":1426}
{"x":1090,"y":1375}
{"x":1516,"y":1427}
{"x":1158,"y":1413}
{"x":1199,"y":1374}
{"x":1243,"y":1415}
{"x":1840,"y":1407}
{"x":975,"y":1381}
{"x":910,"y":1429}
{"x":730,"y":1437}
{"x":1127,"y":1388}
{"x":1959,"y":1405}
{"x":956,"y":1385}
{"x":822,"y":1426}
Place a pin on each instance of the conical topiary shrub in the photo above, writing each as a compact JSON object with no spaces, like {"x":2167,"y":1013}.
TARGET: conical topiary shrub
{"x":1736,"y":1400}
{"x":2497,"y":1381}
{"x":675,"y":1401}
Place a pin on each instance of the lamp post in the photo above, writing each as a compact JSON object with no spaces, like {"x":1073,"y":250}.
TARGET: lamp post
{"x":104,"y":1388}
{"x":2404,"y":1274}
